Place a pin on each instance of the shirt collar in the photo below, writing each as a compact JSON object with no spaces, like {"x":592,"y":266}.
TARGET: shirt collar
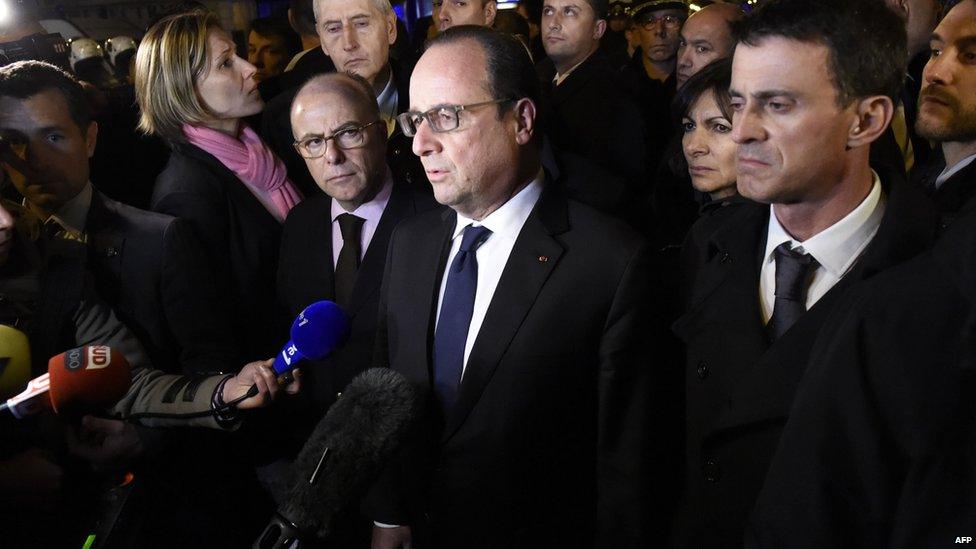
{"x":509,"y":218}
{"x":560,"y":78}
{"x":372,"y":210}
{"x":294,"y":60}
{"x":73,"y":215}
{"x":387,"y":102}
{"x":837,"y":247}
{"x":950,"y":171}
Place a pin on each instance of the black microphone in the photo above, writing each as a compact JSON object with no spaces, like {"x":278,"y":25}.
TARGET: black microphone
{"x":345,"y":453}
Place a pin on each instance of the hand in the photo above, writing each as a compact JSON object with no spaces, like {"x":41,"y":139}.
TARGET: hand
{"x":263,"y":376}
{"x":29,"y":480}
{"x":392,"y":538}
{"x":106,"y":444}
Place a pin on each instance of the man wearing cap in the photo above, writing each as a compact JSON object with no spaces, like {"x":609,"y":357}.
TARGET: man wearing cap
{"x":651,"y":77}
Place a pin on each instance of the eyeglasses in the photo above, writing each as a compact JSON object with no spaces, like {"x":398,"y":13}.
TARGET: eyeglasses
{"x":346,"y":138}
{"x":441,"y":119}
{"x":670,"y":21}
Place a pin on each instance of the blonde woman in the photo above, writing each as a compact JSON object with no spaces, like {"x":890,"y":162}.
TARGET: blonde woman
{"x":194,"y":91}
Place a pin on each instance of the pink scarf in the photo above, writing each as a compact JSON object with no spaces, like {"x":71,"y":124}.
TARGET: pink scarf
{"x":251,"y":161}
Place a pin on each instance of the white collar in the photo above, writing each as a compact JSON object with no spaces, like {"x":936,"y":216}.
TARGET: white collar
{"x":508,"y":219}
{"x":372,"y":209}
{"x":839,"y":246}
{"x":950,"y":171}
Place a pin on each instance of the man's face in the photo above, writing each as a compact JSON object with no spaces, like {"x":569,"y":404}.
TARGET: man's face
{"x":571,"y":31}
{"x":947,"y":102}
{"x":451,"y":13}
{"x":705,"y":37}
{"x":48,"y":156}
{"x":267,"y":54}
{"x":356,"y":35}
{"x":790,"y":130}
{"x":475,"y":166}
{"x":659,"y":33}
{"x":351,"y":176}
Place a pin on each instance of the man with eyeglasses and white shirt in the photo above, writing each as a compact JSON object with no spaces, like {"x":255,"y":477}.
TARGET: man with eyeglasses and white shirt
{"x":522,"y":318}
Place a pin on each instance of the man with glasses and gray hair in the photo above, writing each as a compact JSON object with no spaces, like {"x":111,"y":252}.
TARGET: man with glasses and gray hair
{"x":523,"y":319}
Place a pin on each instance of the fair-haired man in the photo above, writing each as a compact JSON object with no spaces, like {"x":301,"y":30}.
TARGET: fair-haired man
{"x":705,"y":37}
{"x":807,"y":104}
{"x":522,"y":317}
{"x":451,"y":13}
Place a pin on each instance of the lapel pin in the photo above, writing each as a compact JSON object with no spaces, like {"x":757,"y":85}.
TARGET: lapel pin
{"x":543,"y":258}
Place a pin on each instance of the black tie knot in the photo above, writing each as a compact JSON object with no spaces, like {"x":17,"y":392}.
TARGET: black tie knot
{"x":350,"y":226}
{"x":792,"y":272}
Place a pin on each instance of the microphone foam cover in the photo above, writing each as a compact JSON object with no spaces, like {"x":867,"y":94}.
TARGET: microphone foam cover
{"x":87,"y":378}
{"x":15,"y":361}
{"x":319,"y":329}
{"x":361,"y":430}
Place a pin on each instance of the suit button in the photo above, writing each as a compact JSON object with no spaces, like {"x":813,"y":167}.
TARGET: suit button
{"x":702,"y":370}
{"x":711,"y":471}
{"x":726,"y":258}
{"x":112,"y":251}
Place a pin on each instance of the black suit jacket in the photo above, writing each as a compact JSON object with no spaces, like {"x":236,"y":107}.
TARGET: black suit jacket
{"x":588,"y":115}
{"x":739,"y":388}
{"x":305,"y":275}
{"x":954,"y":197}
{"x":240,"y":237}
{"x":276,"y":131}
{"x":546,"y":445}
{"x":151,"y":269}
{"x":880,"y":448}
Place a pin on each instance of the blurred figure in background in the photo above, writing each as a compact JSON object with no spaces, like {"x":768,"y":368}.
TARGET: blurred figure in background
{"x":271,"y":43}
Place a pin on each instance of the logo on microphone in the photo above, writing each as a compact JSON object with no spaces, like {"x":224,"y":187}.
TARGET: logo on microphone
{"x":73,"y":360}
{"x":99,"y":357}
{"x":301,"y":319}
{"x":288,"y":353}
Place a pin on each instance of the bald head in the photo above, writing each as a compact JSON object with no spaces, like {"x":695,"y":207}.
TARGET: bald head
{"x":705,"y":37}
{"x":337,"y":125}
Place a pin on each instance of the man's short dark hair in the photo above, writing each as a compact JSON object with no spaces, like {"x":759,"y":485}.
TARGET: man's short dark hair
{"x":510,"y":70}
{"x":273,"y":26}
{"x":25,"y":79}
{"x":866,"y":41}
{"x":303,"y":15}
{"x":600,"y":7}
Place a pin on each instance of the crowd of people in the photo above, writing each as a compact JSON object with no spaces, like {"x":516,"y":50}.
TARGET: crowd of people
{"x":661,"y":274}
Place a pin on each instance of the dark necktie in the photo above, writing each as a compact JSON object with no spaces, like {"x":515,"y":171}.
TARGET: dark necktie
{"x":792,"y":275}
{"x":347,"y":266}
{"x":457,"y":306}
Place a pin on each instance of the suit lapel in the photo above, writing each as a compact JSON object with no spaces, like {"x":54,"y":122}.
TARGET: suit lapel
{"x":105,"y":245}
{"x":575,"y":81}
{"x":370,"y":273}
{"x":318,"y":241}
{"x":522,"y":279}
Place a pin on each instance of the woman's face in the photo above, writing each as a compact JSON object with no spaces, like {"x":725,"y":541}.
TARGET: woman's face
{"x":227,"y":87}
{"x":708,"y":147}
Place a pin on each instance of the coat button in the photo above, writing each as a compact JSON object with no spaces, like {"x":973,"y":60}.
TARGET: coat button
{"x":726,"y":258}
{"x":711,"y":471}
{"x":702,"y":370}
{"x":112,"y":251}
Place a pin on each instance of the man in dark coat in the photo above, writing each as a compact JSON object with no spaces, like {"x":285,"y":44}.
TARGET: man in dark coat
{"x":807,"y":110}
{"x":880,"y":449}
{"x":586,"y":112}
{"x":522,"y":317}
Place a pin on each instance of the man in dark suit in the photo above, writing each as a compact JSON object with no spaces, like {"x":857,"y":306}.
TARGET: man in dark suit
{"x":947,"y":116}
{"x":334,"y":243}
{"x":523,"y":319}
{"x":305,"y":64}
{"x":146,"y":265}
{"x":587,"y":114}
{"x":808,"y":104}
{"x":357,"y":37}
{"x":880,"y":447}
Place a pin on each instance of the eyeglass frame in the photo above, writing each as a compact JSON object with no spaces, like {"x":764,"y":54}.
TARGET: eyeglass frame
{"x":333,"y":136}
{"x":456,"y":111}
{"x":651,"y":22}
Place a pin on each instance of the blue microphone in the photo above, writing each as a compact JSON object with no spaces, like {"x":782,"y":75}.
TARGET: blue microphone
{"x":315,"y":334}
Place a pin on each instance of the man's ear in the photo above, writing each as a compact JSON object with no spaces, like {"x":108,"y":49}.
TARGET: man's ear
{"x":391,"y":26}
{"x":601,"y":27}
{"x":874,"y":115}
{"x":491,"y":8}
{"x":91,"y":137}
{"x":525,"y":117}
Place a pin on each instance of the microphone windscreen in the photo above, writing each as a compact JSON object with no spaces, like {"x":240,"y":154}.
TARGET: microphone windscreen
{"x":88,"y":378}
{"x":319,"y":329}
{"x":15,"y":361}
{"x":361,"y":431}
